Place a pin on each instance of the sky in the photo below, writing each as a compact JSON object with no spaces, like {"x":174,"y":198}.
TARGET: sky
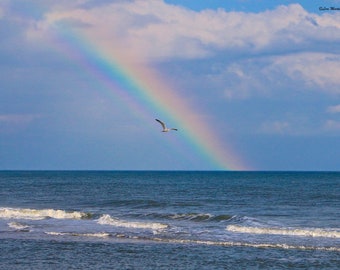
{"x":250,"y":85}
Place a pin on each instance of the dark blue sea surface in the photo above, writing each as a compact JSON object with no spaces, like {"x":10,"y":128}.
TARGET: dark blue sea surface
{"x":169,"y":220}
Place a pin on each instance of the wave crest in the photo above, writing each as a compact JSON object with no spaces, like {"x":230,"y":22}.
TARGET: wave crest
{"x":245,"y":244}
{"x":97,"y":235}
{"x":108,"y":220}
{"x":39,"y":214}
{"x":285,"y":231}
{"x":19,"y":226}
{"x":196,"y":217}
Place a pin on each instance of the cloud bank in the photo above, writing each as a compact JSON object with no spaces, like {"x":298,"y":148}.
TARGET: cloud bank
{"x":160,"y":31}
{"x":287,"y":42}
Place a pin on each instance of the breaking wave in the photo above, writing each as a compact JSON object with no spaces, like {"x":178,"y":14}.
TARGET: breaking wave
{"x":246,"y":244}
{"x":97,"y":235}
{"x":198,"y":217}
{"x":200,"y":242}
{"x":306,"y":232}
{"x":108,"y":220}
{"x":19,"y":226}
{"x":39,"y":214}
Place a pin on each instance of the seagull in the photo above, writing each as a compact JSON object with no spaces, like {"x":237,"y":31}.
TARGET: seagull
{"x":165,"y":129}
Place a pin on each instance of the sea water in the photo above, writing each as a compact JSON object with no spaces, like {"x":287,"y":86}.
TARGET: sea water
{"x":169,"y":220}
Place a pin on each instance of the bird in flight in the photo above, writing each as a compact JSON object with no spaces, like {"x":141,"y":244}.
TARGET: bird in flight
{"x":165,"y":129}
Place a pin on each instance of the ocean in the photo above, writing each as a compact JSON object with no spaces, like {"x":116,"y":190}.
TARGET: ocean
{"x":169,"y":220}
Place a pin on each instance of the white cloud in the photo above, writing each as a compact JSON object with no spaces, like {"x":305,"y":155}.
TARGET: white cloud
{"x":265,"y":75}
{"x":299,"y":126}
{"x":334,"y":109}
{"x":239,"y":81}
{"x":332,"y":125}
{"x":276,"y":127}
{"x":282,"y":47}
{"x":315,"y":70}
{"x":157,"y":30}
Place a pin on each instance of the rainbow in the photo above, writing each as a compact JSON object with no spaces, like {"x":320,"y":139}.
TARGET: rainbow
{"x":148,"y":95}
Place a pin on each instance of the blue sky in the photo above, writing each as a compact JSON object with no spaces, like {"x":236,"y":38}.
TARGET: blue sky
{"x":265,"y":74}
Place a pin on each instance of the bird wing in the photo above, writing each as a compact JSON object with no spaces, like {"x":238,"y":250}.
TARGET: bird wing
{"x":163,"y":125}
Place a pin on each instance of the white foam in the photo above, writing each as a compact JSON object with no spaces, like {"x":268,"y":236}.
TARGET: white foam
{"x":108,"y":220}
{"x":18,"y":226}
{"x":38,"y":214}
{"x":245,"y":244}
{"x":285,"y":231}
{"x":98,"y":235}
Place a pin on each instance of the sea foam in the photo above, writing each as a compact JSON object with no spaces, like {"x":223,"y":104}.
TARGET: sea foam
{"x":39,"y":214}
{"x":97,"y":235}
{"x":246,"y":244}
{"x":18,"y":226}
{"x":306,"y":232}
{"x":108,"y":220}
